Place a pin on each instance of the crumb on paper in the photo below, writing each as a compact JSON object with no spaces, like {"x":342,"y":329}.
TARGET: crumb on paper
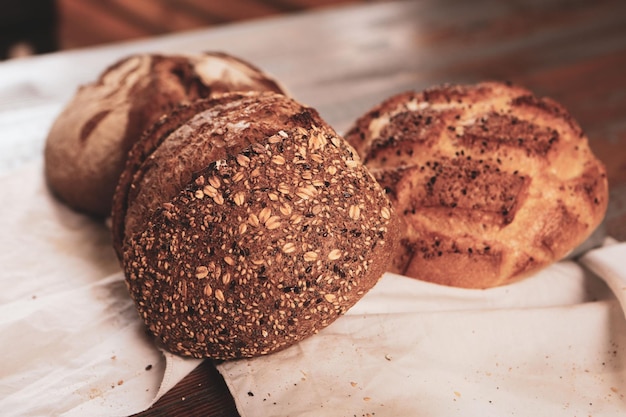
{"x":94,"y":392}
{"x":250,"y":394}
{"x":149,"y":367}
{"x":113,"y":357}
{"x":458,"y":394}
{"x":354,"y":384}
{"x":388,"y":357}
{"x":120,"y":382}
{"x":367,"y":398}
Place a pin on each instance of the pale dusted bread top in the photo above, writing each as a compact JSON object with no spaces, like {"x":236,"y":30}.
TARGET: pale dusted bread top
{"x":492,"y":182}
{"x":254,"y":225}
{"x":87,"y":145}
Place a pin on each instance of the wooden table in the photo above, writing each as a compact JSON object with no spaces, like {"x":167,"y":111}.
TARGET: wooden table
{"x":343,"y":61}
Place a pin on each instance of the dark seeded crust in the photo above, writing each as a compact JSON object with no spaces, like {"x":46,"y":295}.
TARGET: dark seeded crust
{"x":155,"y":173}
{"x":263,"y":246}
{"x":87,"y":145}
{"x":492,"y":182}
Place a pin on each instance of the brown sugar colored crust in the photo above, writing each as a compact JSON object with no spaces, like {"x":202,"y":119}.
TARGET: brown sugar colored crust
{"x":87,"y":145}
{"x":492,"y":182}
{"x":263,"y":229}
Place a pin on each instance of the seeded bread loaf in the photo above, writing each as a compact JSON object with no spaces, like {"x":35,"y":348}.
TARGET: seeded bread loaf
{"x":87,"y":145}
{"x":245,"y":224}
{"x":492,"y":182}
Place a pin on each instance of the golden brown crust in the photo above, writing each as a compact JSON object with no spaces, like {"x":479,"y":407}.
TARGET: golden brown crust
{"x":87,"y":145}
{"x":492,"y":182}
{"x":263,"y":243}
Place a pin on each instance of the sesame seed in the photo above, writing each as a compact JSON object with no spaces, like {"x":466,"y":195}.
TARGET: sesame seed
{"x":289,"y":247}
{"x":310,"y":256}
{"x":208,"y":290}
{"x":215,"y":182}
{"x":330,"y":297}
{"x":239,"y":175}
{"x":334,"y":254}
{"x":283,"y":134}
{"x":202,"y":272}
{"x":283,"y":188}
{"x":243,"y":160}
{"x":385,"y":213}
{"x":226,"y":278}
{"x":354,"y":212}
{"x":258,"y":148}
{"x":285,"y":209}
{"x":278,"y":160}
{"x":219,"y":295}
{"x":210,"y":191}
{"x":219,"y":199}
{"x":253,"y":220}
{"x":306,"y":192}
{"x":230,"y":261}
{"x":239,"y":198}
{"x":265,"y":214}
{"x":273,"y":223}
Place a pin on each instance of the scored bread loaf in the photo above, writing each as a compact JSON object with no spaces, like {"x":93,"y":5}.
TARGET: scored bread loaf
{"x":492,"y":182}
{"x":87,"y":145}
{"x":244,"y":224}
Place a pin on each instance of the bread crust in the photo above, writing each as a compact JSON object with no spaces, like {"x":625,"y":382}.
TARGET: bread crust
{"x":492,"y":182}
{"x":262,"y":229}
{"x":87,"y":145}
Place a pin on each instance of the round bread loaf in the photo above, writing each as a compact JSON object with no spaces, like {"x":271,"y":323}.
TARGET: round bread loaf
{"x":492,"y":182}
{"x":245,"y":224}
{"x":87,"y":145}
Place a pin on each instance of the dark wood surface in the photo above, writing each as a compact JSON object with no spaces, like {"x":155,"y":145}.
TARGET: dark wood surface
{"x":91,"y":22}
{"x":346,"y":60}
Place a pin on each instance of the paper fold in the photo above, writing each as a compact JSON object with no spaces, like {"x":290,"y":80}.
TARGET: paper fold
{"x":73,"y":345}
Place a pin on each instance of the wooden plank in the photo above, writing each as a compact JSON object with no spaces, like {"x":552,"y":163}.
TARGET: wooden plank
{"x":221,"y":11}
{"x":82,"y":24}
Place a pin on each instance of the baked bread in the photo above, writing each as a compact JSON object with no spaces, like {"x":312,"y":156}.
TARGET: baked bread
{"x":492,"y":182}
{"x":245,"y":224}
{"x":87,"y":145}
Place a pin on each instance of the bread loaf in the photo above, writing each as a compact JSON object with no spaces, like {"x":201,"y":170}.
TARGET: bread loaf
{"x":87,"y":145}
{"x":492,"y":182}
{"x":244,"y":224}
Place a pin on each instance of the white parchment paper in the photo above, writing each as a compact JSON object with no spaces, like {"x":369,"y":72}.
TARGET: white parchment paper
{"x":72,"y":344}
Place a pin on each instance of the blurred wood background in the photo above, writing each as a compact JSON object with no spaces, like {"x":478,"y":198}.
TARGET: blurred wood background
{"x":39,"y":26}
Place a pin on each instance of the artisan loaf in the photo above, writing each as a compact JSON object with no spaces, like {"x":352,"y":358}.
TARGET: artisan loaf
{"x":87,"y":145}
{"x":492,"y":182}
{"x":244,"y":224}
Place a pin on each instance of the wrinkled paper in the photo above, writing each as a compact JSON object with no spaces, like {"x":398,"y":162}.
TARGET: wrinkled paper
{"x":73,"y":345}
{"x":72,"y":342}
